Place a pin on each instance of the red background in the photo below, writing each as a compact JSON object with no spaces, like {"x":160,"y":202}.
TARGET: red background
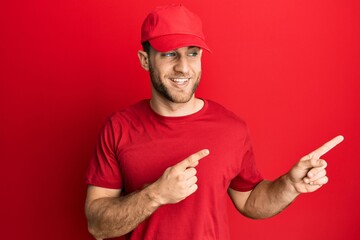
{"x":291,"y":69}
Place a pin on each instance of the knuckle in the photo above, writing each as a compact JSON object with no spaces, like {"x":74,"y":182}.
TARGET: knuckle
{"x":321,"y":173}
{"x":192,"y":189}
{"x":180,"y":177}
{"x":190,"y":159}
{"x":321,"y":181}
{"x":191,"y":171}
{"x":307,"y":157}
{"x":314,"y":161}
{"x":325,"y":180}
{"x":323,"y":163}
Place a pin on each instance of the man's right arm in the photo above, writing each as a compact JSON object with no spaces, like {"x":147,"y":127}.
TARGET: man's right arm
{"x":111,"y":215}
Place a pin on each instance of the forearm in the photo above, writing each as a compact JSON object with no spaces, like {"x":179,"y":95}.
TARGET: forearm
{"x":269,"y":198}
{"x":112,"y":217}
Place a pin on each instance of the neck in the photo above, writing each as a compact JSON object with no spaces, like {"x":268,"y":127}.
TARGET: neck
{"x":170,"y":109}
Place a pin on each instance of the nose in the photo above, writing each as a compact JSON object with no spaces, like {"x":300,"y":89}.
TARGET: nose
{"x":182,"y":65}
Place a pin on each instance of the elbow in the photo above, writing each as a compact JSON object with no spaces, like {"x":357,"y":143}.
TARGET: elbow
{"x":93,"y":228}
{"x":99,"y":230}
{"x":252,"y":211}
{"x":257,"y":214}
{"x":251,"y":214}
{"x":94,"y":231}
{"x":254,"y":216}
{"x":100,"y":233}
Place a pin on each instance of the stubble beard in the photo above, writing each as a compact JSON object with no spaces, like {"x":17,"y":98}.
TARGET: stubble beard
{"x":160,"y":87}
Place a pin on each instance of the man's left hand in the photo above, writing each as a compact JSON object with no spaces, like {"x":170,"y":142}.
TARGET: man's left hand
{"x":309,"y":174}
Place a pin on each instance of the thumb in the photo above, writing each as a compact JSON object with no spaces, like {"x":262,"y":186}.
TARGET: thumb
{"x":192,"y":160}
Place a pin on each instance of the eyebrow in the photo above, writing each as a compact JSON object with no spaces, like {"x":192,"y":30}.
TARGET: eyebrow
{"x":188,"y":48}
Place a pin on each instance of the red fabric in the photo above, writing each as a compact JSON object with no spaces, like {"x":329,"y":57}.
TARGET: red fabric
{"x":137,"y":145}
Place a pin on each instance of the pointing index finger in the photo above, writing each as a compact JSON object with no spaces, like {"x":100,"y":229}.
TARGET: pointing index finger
{"x":192,"y":160}
{"x":325,"y":148}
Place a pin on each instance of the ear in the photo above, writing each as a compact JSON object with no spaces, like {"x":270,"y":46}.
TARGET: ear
{"x":144,"y":60}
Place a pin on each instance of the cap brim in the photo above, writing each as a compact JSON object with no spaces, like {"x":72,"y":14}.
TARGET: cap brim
{"x":168,"y":43}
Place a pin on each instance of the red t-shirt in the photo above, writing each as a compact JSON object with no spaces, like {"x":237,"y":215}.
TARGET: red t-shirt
{"x":137,"y":145}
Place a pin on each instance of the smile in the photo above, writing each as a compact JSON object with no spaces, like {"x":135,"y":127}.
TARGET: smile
{"x":180,"y":81}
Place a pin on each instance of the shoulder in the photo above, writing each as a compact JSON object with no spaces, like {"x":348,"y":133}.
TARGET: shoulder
{"x":132,"y":112}
{"x":230,"y":124}
{"x":223,"y":113}
{"x":128,"y":117}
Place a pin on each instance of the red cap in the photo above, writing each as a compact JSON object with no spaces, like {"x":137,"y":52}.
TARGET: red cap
{"x":172,"y":26}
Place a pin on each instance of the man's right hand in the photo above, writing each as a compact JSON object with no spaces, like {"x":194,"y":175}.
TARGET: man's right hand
{"x":179,"y":181}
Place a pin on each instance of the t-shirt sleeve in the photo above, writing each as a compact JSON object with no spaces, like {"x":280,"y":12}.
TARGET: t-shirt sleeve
{"x":248,"y":176}
{"x":104,"y":170}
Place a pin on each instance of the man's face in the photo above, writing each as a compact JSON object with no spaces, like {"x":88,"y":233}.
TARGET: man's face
{"x":175,"y":75}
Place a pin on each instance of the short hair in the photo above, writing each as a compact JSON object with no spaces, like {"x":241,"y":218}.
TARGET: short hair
{"x":146,"y":47}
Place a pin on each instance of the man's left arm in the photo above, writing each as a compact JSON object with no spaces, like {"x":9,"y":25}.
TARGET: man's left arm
{"x":269,"y":198}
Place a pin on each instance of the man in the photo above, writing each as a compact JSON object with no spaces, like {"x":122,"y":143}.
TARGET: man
{"x":164,"y":167}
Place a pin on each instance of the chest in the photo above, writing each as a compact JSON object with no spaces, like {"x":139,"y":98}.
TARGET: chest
{"x":148,"y":152}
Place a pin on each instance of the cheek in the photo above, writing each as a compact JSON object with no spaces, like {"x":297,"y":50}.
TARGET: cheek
{"x":159,"y":72}
{"x":164,"y":70}
{"x":197,"y":67}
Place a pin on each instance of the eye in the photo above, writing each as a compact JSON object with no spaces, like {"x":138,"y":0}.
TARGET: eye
{"x":193,"y":54}
{"x":168,"y":54}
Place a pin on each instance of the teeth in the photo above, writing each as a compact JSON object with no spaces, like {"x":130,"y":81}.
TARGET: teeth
{"x":179,"y":80}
